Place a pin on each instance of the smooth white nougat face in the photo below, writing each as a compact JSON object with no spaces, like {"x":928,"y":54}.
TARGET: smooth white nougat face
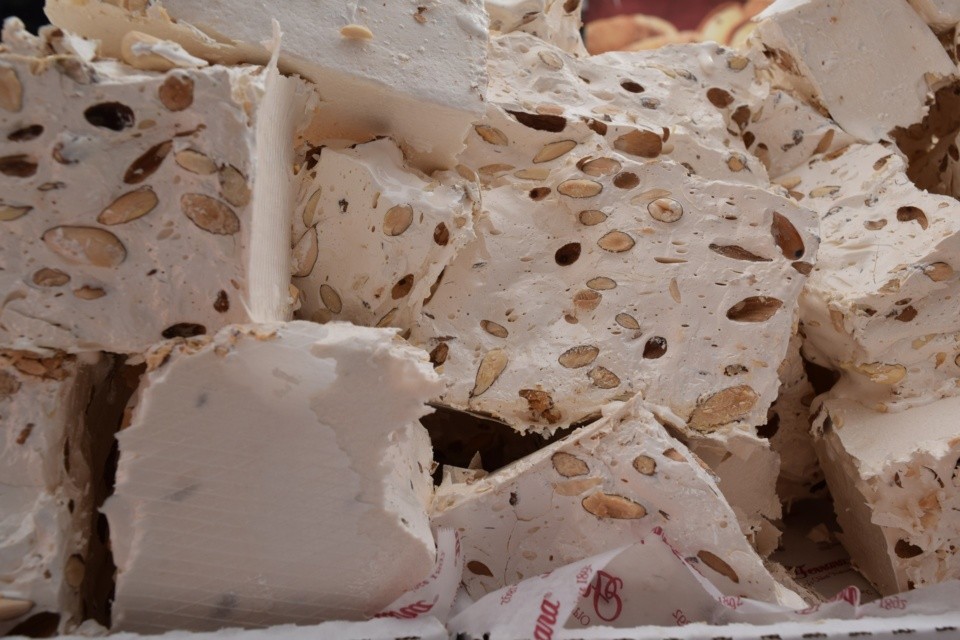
{"x":277,"y":446}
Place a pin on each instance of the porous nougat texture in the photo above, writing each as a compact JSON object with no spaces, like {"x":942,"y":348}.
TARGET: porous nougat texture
{"x":602,"y":487}
{"x":841,"y":77}
{"x":880,"y":304}
{"x":410,"y":69}
{"x":895,"y":482}
{"x":603,"y":268}
{"x":555,"y":21}
{"x":372,"y":235}
{"x":139,"y":205}
{"x":320,"y":500}
{"x":46,"y":500}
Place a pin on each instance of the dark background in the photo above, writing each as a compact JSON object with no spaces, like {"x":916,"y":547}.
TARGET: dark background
{"x":30,"y":11}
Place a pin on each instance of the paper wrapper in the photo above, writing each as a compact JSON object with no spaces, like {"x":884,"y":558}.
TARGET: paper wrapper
{"x":648,"y":583}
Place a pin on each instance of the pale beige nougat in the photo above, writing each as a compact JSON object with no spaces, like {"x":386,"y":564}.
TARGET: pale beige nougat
{"x":372,"y":234}
{"x":880,"y":304}
{"x":602,"y":487}
{"x":46,"y":499}
{"x":411,"y":69}
{"x":895,"y":482}
{"x":603,"y":268}
{"x":303,"y":441}
{"x":138,"y":205}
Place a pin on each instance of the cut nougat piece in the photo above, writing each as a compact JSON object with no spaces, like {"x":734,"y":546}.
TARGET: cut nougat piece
{"x":320,"y":500}
{"x":597,"y":275}
{"x":879,"y":306}
{"x":372,"y":234}
{"x":140,"y":205}
{"x":413,"y":69}
{"x":603,"y":486}
{"x":46,"y":502}
{"x":833,"y":52}
{"x":895,"y":482}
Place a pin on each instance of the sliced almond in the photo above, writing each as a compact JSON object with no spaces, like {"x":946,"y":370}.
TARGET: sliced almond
{"x":607,"y":505}
{"x":9,"y":212}
{"x":86,"y":246}
{"x":645,"y":144}
{"x":195,"y":162}
{"x":825,"y":191}
{"x":534,"y":173}
{"x":734,"y":252}
{"x":645,"y":465}
{"x":937,"y":271}
{"x":603,"y":378}
{"x":11,"y":608}
{"x":210,"y":214}
{"x":754,"y":309}
{"x":787,"y":237}
{"x":616,"y":242}
{"x":388,"y":318}
{"x":478,"y":568}
{"x":403,"y":287}
{"x":569,"y":465}
{"x":89,"y":293}
{"x":665,"y":210}
{"x":491,"y":135}
{"x":550,"y":59}
{"x":602,"y":283}
{"x":586,"y":300}
{"x":311,"y":213}
{"x":554,"y":150}
{"x":579,"y":356}
{"x":11,"y":91}
{"x":176,"y":92}
{"x":714,"y":562}
{"x":233,"y":186}
{"x":591,"y":217}
{"x":883,"y":373}
{"x":129,"y":207}
{"x":18,"y":166}
{"x":74,"y":571}
{"x":397,"y":219}
{"x":577,"y":188}
{"x":143,"y":58}
{"x":494,"y":328}
{"x":491,"y":366}
{"x":627,"y":321}
{"x":331,"y":299}
{"x":47,"y":277}
{"x":305,"y":253}
{"x":356,"y":32}
{"x":598,"y":167}
{"x":148,"y":163}
{"x":723,"y":407}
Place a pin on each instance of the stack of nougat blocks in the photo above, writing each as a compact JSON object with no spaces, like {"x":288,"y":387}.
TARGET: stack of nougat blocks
{"x":240,"y":259}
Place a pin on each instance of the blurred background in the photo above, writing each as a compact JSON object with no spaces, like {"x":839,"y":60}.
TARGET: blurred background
{"x":30,"y":11}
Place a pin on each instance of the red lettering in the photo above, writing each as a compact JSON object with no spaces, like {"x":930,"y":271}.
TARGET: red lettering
{"x":607,"y":603}
{"x":547,"y":619}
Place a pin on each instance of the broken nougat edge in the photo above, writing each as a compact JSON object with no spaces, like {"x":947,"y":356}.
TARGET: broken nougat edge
{"x":840,"y":78}
{"x":413,"y":71}
{"x":894,"y":478}
{"x":598,"y":488}
{"x":301,"y":379}
{"x":182,"y":181}
{"x":386,"y":230}
{"x":45,"y":458}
